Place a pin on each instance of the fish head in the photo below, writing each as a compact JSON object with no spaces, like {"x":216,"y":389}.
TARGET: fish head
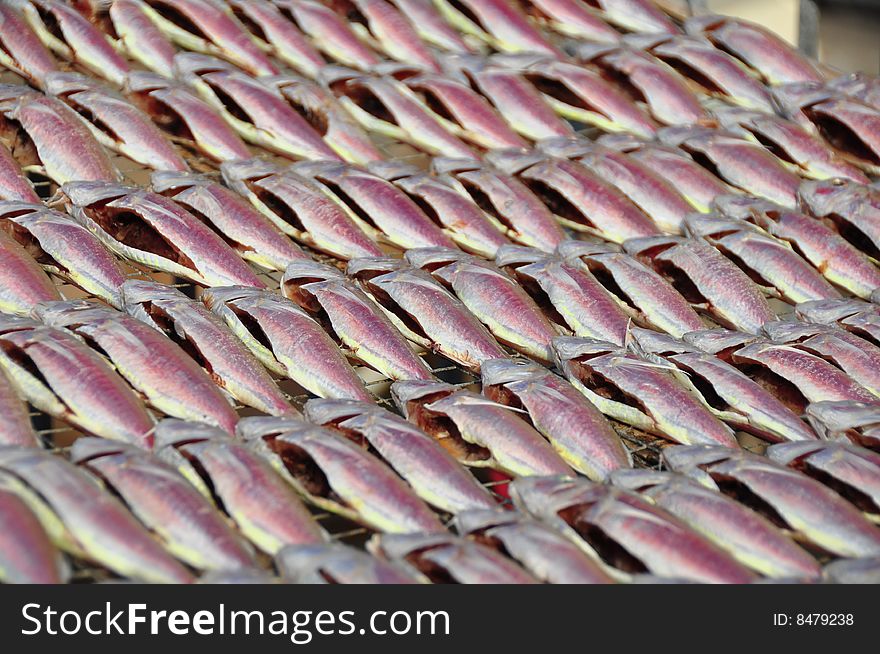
{"x":566,"y":147}
{"x":647,"y":248}
{"x":472,"y":521}
{"x":332,"y":411}
{"x":452,"y":165}
{"x":651,"y":342}
{"x":498,"y":373}
{"x":247,"y":170}
{"x":718,"y":341}
{"x":86,"y":448}
{"x":73,"y":314}
{"x":513,"y":161}
{"x":638,"y":480}
{"x":333,"y":76}
{"x":714,"y":225}
{"x":262,"y":427}
{"x":64,"y":83}
{"x":433,"y":258}
{"x":569,"y":348}
{"x":572,"y":250}
{"x":791,"y":98}
{"x":794,"y":453}
{"x":791,"y":331}
{"x":188,"y":66}
{"x":518,"y":255}
{"x":683,"y":458}
{"x":86,"y":194}
{"x":301,"y":277}
{"x":588,"y":52}
{"x":366,"y":268}
{"x":392,"y":171}
{"x":169,"y":182}
{"x":411,"y":395}
{"x":174,"y":433}
{"x":546,"y":497}
{"x":833,"y":419}
{"x":745,"y":207}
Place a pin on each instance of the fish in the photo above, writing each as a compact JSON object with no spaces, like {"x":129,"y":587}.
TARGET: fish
{"x":806,"y":153}
{"x":251,"y":234}
{"x":286,"y":340}
{"x":275,"y":35}
{"x":337,"y":563}
{"x":58,"y":142}
{"x":710,"y":69}
{"x":140,"y":38}
{"x":732,"y":395}
{"x":850,"y":470}
{"x":707,"y":279}
{"x":853,"y":571}
{"x":431,"y":26}
{"x":320,"y":109}
{"x":421,"y":461}
{"x":640,"y":16}
{"x":499,"y":23}
{"x":506,"y":199}
{"x":183,"y":520}
{"x":425,"y":312}
{"x":751,"y":538}
{"x":185,"y":116}
{"x":571,"y":18}
{"x":541,"y":550}
{"x":567,"y":293}
{"x":376,"y":202}
{"x":27,"y":555}
{"x":858,"y":422}
{"x":209,"y":341}
{"x":493,"y":297}
{"x":300,"y":208}
{"x":742,"y":164}
{"x":71,"y":36}
{"x":23,"y":283}
{"x":340,"y":476}
{"x":153,"y":230}
{"x":255,"y":109}
{"x":14,"y":185}
{"x":211,"y":28}
{"x":444,"y":558}
{"x":82,"y":518}
{"x":115,"y":123}
{"x":856,"y":316}
{"x":655,"y":398}
{"x":576,"y":429}
{"x":852,"y":208}
{"x":353,"y":319}
{"x":386,"y":106}
{"x":328,"y":32}
{"x":15,"y":421}
{"x":858,"y":85}
{"x":797,"y":502}
{"x":776,"y":61}
{"x":771,"y":263}
{"x":152,"y":364}
{"x":64,"y":248}
{"x":638,"y":289}
{"x":625,"y":532}
{"x":651,"y":192}
{"x":21,"y":51}
{"x":261,"y":504}
{"x":476,"y":430}
{"x":832,"y":255}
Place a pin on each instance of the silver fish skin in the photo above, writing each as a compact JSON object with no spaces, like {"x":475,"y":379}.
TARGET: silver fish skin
{"x":568,"y":293}
{"x":853,"y":571}
{"x":571,"y":18}
{"x":62,"y":143}
{"x":856,"y":316}
{"x":249,"y":232}
{"x":65,"y":248}
{"x":854,"y":468}
{"x":13,"y":183}
{"x":853,"y":208}
{"x":153,"y":230}
{"x":830,"y":253}
{"x":300,"y":208}
{"x":15,"y":421}
{"x":805,"y":506}
{"x":254,"y":109}
{"x":722,"y":289}
{"x":210,"y":342}
{"x":476,"y":430}
{"x":775,"y":60}
{"x":668,"y":404}
{"x":185,"y":116}
{"x":748,"y":536}
{"x":266,"y":510}
{"x":22,"y":51}
{"x":210,"y":27}
{"x":337,"y":563}
{"x":657,"y":540}
{"x":322,"y":111}
{"x":492,"y":296}
{"x":353,"y":319}
{"x":274,"y":33}
{"x":377,"y":202}
{"x":183,"y":520}
{"x":576,"y":429}
{"x":639,"y":16}
{"x":86,"y":520}
{"x":541,"y":550}
{"x":736,"y":398}
{"x":444,"y":557}
{"x":71,"y":36}
{"x":652,"y":299}
{"x":858,"y":422}
{"x":431,"y":26}
{"x":139,"y":37}
{"x":771,"y":263}
{"x":426,"y":313}
{"x":27,"y":555}
{"x":859,"y":85}
{"x":151,"y":363}
{"x":115,"y":122}
{"x":432,"y":471}
{"x":286,"y":340}
{"x":23,"y":284}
